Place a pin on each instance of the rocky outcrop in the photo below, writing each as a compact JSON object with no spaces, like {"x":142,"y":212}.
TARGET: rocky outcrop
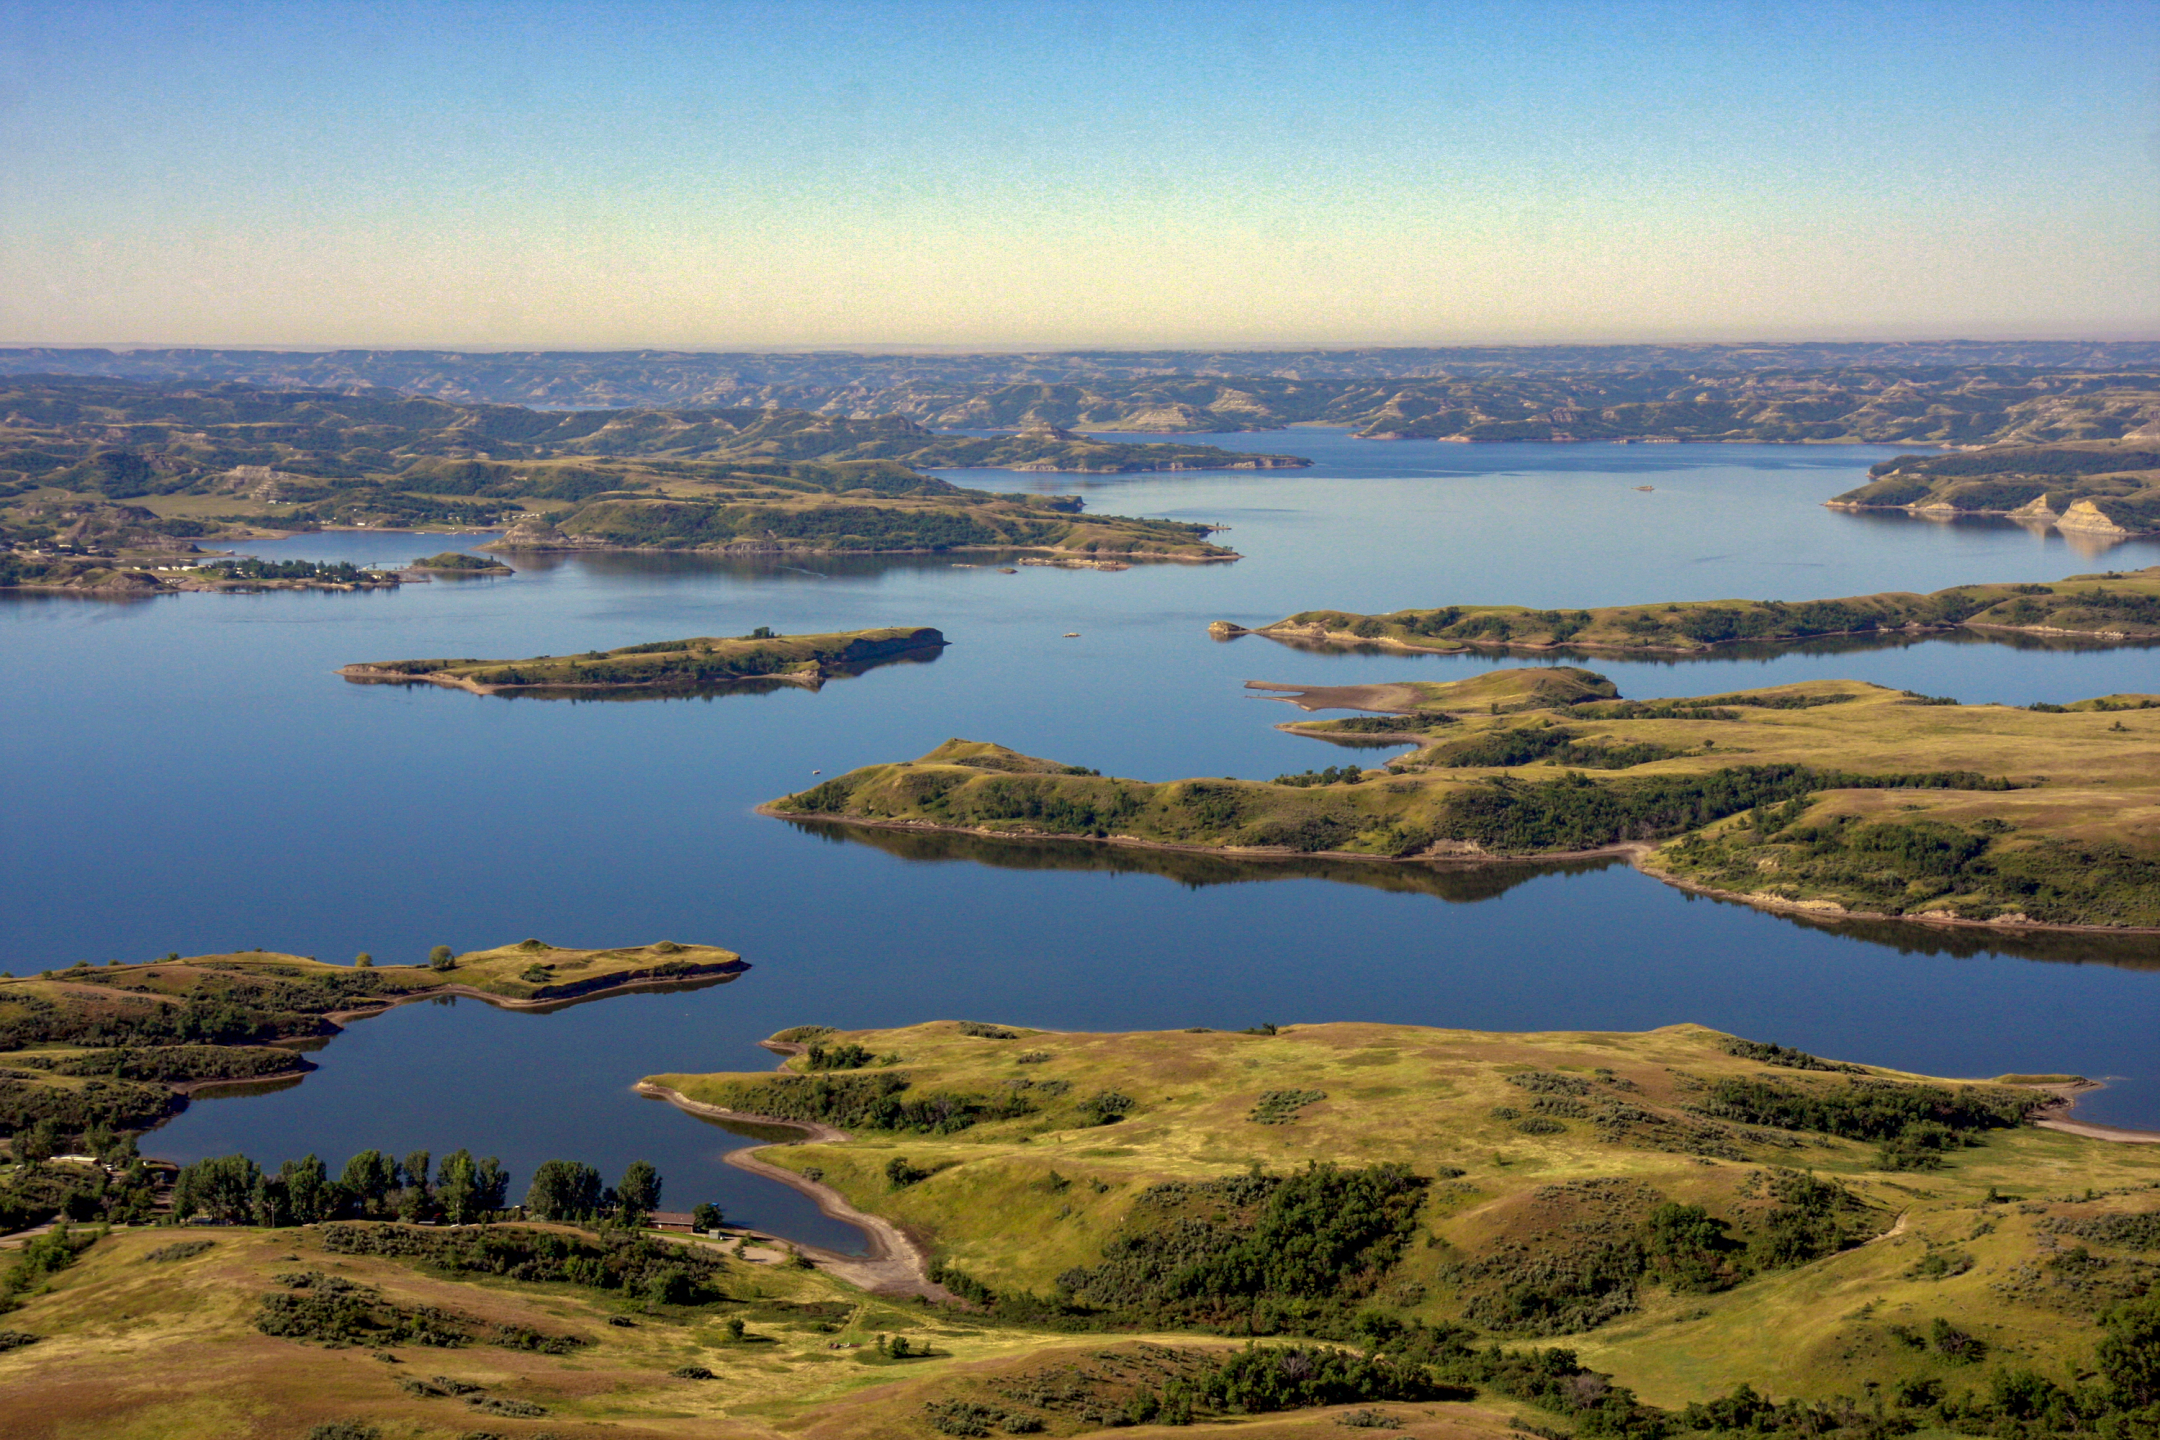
{"x":2084,"y":517}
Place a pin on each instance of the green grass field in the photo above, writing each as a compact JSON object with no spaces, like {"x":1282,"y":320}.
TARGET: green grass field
{"x":1978,"y":1239}
{"x":1837,"y":796}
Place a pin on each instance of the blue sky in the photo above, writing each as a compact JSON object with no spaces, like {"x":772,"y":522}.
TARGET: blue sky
{"x":728,"y":175}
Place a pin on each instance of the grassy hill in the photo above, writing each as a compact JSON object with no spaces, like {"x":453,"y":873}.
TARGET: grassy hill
{"x":397,"y":1331}
{"x":2110,"y":607}
{"x":2108,"y":490}
{"x":1690,"y":1211}
{"x":1293,"y":1231}
{"x":1889,"y":403}
{"x":1835,"y":797}
{"x":229,"y":459}
{"x":673,"y":665}
{"x":1961,"y":392}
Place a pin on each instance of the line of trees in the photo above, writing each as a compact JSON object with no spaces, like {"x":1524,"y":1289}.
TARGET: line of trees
{"x":460,"y":1189}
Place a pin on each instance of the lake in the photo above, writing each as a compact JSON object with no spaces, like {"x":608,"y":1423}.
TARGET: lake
{"x":186,"y":773}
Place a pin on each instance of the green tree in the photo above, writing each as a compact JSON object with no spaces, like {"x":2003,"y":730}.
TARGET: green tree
{"x":309,"y":1190}
{"x":563,"y":1190}
{"x":369,"y":1177}
{"x":637,"y":1194}
{"x":2129,"y":1354}
{"x":222,"y":1188}
{"x":40,"y":1141}
{"x":491,"y":1184}
{"x":441,"y":958}
{"x":415,"y":1200}
{"x":455,"y":1189}
{"x":705,"y":1216}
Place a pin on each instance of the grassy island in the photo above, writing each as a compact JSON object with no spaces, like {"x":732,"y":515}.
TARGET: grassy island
{"x":457,"y":562}
{"x":2108,"y":608}
{"x":1837,"y":798}
{"x":866,"y":510}
{"x":669,"y":665}
{"x":121,"y":1045}
{"x":2108,"y":490}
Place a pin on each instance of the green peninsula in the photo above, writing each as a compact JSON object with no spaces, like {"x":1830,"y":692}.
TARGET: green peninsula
{"x":2098,"y":490}
{"x":707,"y":662}
{"x":1292,"y":1230}
{"x":1691,"y":1211}
{"x":1834,"y":798}
{"x":2107,"y":608}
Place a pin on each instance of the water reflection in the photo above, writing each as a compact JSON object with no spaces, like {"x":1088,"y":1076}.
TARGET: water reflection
{"x":1457,"y":884}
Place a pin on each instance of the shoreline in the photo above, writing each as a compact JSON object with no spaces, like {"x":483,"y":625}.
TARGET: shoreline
{"x":762,"y":547}
{"x":1227,"y":630}
{"x":369,"y":675}
{"x":894,"y":1264}
{"x":2061,"y":1119}
{"x":1459,"y":860}
{"x":339,"y":1019}
{"x":1636,"y":851}
{"x":1831,"y":910}
{"x":600,"y":991}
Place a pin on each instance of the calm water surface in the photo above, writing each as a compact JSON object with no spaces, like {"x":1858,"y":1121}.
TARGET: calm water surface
{"x":187,"y":774}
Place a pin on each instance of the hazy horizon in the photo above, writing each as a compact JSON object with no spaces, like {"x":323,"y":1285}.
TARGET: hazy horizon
{"x":951,"y":177}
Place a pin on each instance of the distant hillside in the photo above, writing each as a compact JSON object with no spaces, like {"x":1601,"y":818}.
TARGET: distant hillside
{"x":1963,"y":406}
{"x":2106,"y":490}
{"x":125,"y":438}
{"x":858,"y":384}
{"x":200,"y":460}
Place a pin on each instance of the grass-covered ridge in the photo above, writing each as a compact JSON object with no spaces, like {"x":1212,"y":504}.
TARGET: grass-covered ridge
{"x":236,"y":460}
{"x":1296,"y":1230}
{"x":2111,"y":490}
{"x":672,"y":665}
{"x":749,"y":514}
{"x":1869,"y":800}
{"x":1378,"y":1181}
{"x":2113,"y":606}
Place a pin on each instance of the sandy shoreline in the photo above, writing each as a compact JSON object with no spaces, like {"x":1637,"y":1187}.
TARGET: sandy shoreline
{"x":895,"y":1265}
{"x":2065,"y":1100}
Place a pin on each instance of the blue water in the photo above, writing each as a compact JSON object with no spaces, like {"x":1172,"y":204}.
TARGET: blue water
{"x":187,"y":774}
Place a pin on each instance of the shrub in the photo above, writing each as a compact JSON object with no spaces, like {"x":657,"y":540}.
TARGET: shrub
{"x":344,"y":1430}
{"x":441,"y":958}
{"x":1107,"y":1108}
